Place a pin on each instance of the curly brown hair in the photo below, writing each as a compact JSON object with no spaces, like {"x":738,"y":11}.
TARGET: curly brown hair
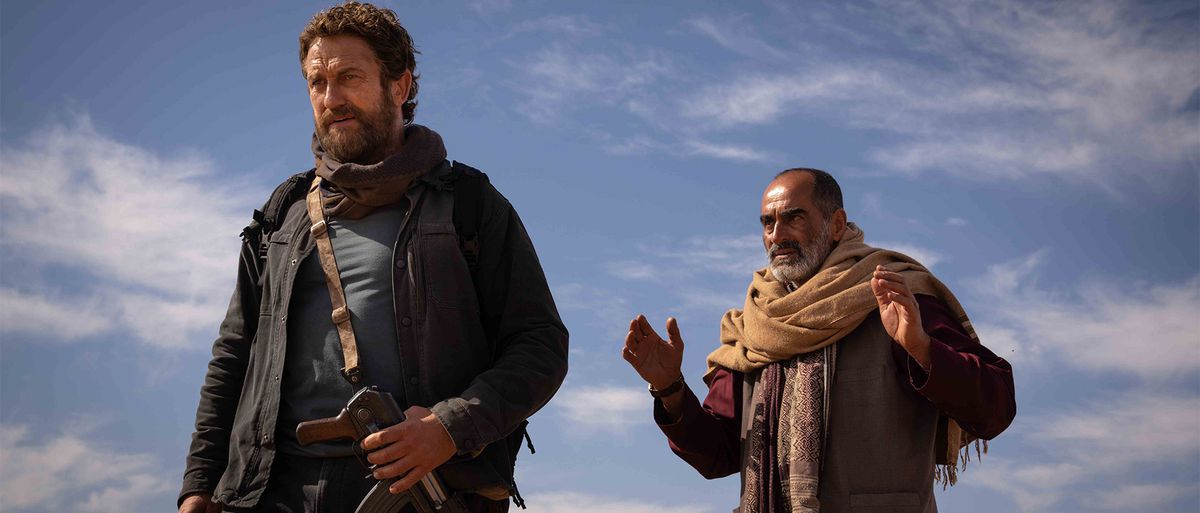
{"x":379,"y":28}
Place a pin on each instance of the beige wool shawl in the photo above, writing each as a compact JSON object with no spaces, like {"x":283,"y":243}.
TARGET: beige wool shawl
{"x":777,"y":325}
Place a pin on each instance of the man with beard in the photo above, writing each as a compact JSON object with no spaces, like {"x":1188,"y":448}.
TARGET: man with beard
{"x":460,"y":329}
{"x":852,"y":379}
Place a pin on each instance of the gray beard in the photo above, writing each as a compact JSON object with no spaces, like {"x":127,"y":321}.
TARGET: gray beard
{"x":808,"y":262}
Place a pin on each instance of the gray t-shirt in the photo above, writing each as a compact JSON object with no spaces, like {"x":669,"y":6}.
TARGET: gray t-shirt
{"x":313,"y":386}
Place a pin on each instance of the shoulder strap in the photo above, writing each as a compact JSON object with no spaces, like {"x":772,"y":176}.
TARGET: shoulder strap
{"x":333,"y":281}
{"x":468,"y":211}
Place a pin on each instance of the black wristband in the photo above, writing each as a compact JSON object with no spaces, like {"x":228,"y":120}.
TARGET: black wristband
{"x":671,"y":389}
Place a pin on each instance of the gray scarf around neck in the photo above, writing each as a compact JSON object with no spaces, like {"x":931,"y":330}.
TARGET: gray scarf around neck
{"x":355,"y":190}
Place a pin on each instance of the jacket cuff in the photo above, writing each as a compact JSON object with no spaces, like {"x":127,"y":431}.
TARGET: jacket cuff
{"x":690,"y":409}
{"x":939,"y":379}
{"x":191,"y":489}
{"x":455,"y":417}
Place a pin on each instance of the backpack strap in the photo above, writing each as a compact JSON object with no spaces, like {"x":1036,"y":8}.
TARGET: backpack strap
{"x":468,"y":212}
{"x":270,"y":217}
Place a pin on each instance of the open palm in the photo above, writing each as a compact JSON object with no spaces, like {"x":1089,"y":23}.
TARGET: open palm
{"x":656,"y":360}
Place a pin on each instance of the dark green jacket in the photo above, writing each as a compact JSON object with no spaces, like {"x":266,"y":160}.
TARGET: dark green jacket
{"x":483,"y":357}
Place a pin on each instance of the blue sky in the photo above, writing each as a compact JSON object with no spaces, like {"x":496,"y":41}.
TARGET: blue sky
{"x":1041,"y":158}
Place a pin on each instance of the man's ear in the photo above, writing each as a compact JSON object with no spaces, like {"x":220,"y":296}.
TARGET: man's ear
{"x":400,"y":87}
{"x":839,"y":224}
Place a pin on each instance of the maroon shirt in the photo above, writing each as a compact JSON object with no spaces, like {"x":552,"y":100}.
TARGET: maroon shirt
{"x":965,"y":380}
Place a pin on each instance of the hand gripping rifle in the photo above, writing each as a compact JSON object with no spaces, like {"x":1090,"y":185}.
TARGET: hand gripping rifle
{"x":368,"y":411}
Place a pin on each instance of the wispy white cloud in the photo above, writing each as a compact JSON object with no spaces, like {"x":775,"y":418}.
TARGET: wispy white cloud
{"x":696,"y":268}
{"x":158,"y":236}
{"x":600,"y":308}
{"x":764,"y":98}
{"x":687,"y":147}
{"x":633,"y":145}
{"x":570,"y":25}
{"x":734,"y":34}
{"x":123,"y":496}
{"x":1075,"y":91}
{"x":991,"y":155}
{"x":956,"y":221}
{"x":706,"y":275}
{"x":678,"y":260}
{"x":1097,"y":454}
{"x":697,"y":300}
{"x":1150,"y":331}
{"x":34,"y":474}
{"x":578,"y":502}
{"x":1035,"y":487}
{"x":1142,"y":497}
{"x":994,"y":90}
{"x":1126,"y":432}
{"x":926,"y":256}
{"x":489,"y":7}
{"x":1101,"y":450}
{"x":1007,"y":343}
{"x":1004,"y":279}
{"x":52,"y":319}
{"x":726,"y":151}
{"x":560,"y":78}
{"x":603,"y":408}
{"x":631,"y":270}
{"x":1110,"y":81}
{"x":728,"y":255}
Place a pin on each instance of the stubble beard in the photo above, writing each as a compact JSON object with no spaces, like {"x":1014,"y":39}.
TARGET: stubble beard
{"x":804,"y":265}
{"x":365,"y":144}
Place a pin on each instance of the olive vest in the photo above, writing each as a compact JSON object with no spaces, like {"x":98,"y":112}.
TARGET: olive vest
{"x":881,"y":443}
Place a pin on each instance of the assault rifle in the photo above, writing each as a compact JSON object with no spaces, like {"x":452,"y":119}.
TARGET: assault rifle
{"x":368,"y":411}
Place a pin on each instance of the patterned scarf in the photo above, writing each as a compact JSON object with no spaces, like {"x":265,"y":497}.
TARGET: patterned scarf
{"x":790,"y":408}
{"x":786,"y":335}
{"x":356,"y":190}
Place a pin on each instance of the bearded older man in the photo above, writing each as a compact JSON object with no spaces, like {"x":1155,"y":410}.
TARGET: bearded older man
{"x":423,"y":283}
{"x":851,"y":380}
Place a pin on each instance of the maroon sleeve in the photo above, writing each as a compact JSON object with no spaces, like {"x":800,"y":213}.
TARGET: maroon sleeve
{"x":708,"y":437}
{"x":965,"y":380}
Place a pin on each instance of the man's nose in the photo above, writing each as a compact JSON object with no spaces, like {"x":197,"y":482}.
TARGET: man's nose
{"x":333,"y":97}
{"x":770,"y":233}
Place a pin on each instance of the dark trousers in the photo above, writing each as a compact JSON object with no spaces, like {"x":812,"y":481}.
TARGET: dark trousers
{"x":300,"y":484}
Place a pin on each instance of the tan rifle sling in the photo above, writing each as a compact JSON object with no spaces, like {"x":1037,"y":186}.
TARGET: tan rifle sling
{"x":341,"y":313}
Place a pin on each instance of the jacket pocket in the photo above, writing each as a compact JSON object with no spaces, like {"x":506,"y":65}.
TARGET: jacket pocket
{"x":278,"y":252}
{"x":445,"y":274}
{"x":900,"y":502}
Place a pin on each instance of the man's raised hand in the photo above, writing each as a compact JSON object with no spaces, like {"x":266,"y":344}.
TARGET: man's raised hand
{"x":656,"y":360}
{"x":900,"y":314}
